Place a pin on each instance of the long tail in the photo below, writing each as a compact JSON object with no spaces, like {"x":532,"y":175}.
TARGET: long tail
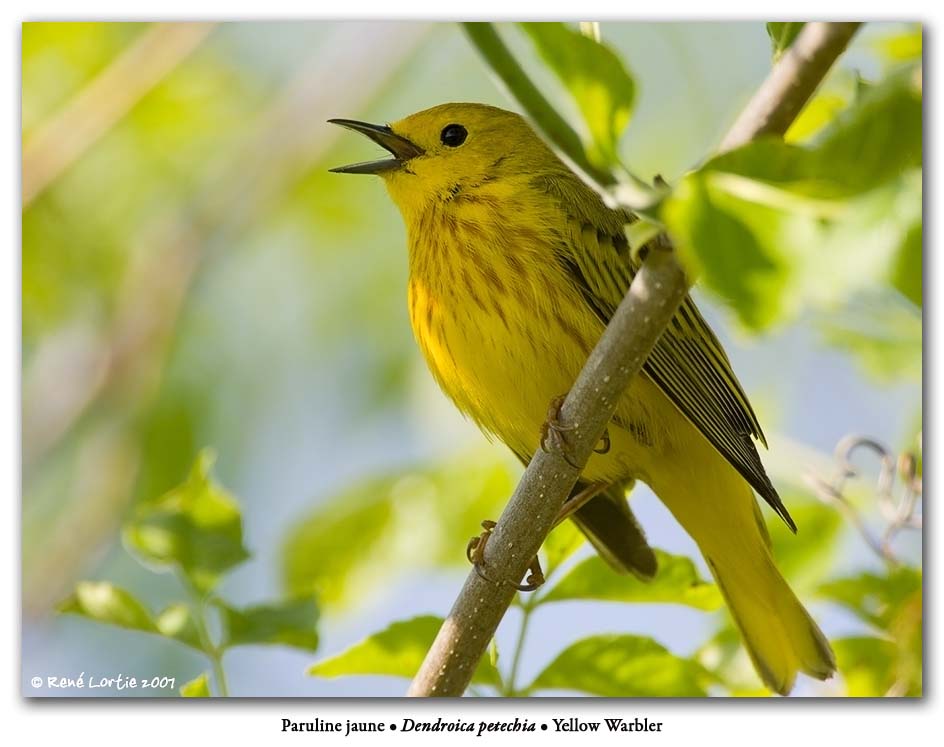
{"x":718,"y":510}
{"x":781,"y":637}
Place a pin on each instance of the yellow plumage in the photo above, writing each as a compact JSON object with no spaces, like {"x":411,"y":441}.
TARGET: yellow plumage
{"x":515,"y":267}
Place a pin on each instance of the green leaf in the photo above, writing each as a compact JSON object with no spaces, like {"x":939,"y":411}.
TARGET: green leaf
{"x":876,"y":667}
{"x":291,"y":622}
{"x":397,"y":651}
{"x":876,"y":139}
{"x":882,"y":333}
{"x":176,"y":621}
{"x":196,"y":527}
{"x":866,"y":664}
{"x":782,"y":35}
{"x":906,"y":275}
{"x":641,"y":232}
{"x":622,"y":666}
{"x":676,"y":582}
{"x":563,"y":541}
{"x":353,"y":542}
{"x":805,"y":557}
{"x":596,"y":77}
{"x":904,"y":46}
{"x":774,"y":228}
{"x":331,"y":549}
{"x":197,"y":688}
{"x":876,"y":599}
{"x":816,"y":115}
{"x":108,"y":604}
{"x":726,"y":658}
{"x":516,"y":82}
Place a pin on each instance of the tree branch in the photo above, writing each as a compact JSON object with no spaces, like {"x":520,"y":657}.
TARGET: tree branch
{"x":791,"y":83}
{"x":649,"y":305}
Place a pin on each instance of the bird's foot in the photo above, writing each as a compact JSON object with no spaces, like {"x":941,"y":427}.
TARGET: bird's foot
{"x":604,"y":446}
{"x":535,"y":578}
{"x":475,"y":552}
{"x":553,"y":432}
{"x":578,"y":501}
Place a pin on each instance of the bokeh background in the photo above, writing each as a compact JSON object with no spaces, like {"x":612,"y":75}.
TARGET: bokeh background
{"x":194,"y":277}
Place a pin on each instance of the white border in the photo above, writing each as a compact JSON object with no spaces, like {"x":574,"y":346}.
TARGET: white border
{"x":766,"y":723}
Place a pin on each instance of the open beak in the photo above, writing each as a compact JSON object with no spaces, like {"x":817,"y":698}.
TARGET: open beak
{"x":400,"y":148}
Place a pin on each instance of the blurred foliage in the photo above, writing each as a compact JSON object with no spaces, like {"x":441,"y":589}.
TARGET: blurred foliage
{"x":397,"y":651}
{"x":105,"y":603}
{"x":777,"y":228}
{"x":197,"y":688}
{"x":290,"y":623}
{"x":677,"y":582}
{"x":341,"y":548}
{"x":622,"y":666}
{"x":609,"y":665}
{"x":196,"y":530}
{"x":782,"y":35}
{"x":889,"y":662}
{"x":73,"y":269}
{"x":883,"y":333}
{"x":807,"y":556}
{"x":876,"y":598}
{"x":898,"y":47}
{"x":827,"y":223}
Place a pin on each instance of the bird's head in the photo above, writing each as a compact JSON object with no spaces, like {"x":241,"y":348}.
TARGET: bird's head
{"x":438,"y":153}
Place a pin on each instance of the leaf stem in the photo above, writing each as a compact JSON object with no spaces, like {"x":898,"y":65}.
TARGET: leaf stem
{"x":511,"y":689}
{"x":219,"y":674}
{"x":213,"y":652}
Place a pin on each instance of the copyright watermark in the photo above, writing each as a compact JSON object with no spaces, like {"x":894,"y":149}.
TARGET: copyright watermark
{"x":113,"y":682}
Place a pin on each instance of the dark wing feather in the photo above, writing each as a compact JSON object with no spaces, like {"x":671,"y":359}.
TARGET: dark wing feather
{"x":612,"y":528}
{"x":609,"y":524}
{"x":688,"y":363}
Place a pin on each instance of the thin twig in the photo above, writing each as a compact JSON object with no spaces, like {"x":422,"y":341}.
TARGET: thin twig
{"x":899,"y":514}
{"x":527,"y":608}
{"x":649,"y":305}
{"x":791,"y":82}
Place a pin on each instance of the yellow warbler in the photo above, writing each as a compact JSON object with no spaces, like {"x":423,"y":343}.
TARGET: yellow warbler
{"x":516,"y":266}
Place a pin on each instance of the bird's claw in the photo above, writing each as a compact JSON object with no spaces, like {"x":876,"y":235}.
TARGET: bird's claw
{"x":535,"y":579}
{"x":552,"y":431}
{"x":604,"y":446}
{"x":475,"y":552}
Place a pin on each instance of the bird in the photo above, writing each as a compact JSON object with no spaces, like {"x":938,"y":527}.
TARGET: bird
{"x":515,"y":267}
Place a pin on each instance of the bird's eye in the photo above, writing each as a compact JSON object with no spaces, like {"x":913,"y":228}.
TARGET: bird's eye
{"x":453,"y":135}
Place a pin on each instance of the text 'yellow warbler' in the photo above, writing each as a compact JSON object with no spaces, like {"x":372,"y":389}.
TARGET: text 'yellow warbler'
{"x":516,"y":266}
